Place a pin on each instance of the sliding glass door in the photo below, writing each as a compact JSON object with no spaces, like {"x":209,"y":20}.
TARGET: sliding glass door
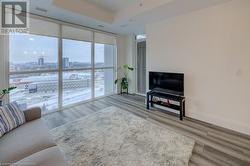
{"x":61,"y":66}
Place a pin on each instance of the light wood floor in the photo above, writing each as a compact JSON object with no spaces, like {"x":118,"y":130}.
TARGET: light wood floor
{"x":215,"y":146}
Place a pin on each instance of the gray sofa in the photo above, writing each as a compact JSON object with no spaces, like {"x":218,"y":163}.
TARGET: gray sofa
{"x":30,"y":144}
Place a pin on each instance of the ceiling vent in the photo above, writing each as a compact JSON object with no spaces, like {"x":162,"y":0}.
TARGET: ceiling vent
{"x":41,"y":10}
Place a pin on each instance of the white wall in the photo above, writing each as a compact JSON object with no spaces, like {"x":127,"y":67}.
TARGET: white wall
{"x":212,"y":48}
{"x":3,"y":62}
{"x":121,"y":55}
{"x":126,"y":55}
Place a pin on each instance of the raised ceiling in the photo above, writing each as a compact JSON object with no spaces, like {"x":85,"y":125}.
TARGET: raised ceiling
{"x":113,"y":5}
{"x":118,"y":16}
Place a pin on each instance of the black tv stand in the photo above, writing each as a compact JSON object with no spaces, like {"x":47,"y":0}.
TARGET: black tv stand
{"x":165,"y":95}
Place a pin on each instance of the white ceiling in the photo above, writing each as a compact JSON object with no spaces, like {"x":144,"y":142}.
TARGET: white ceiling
{"x":113,"y":5}
{"x":118,"y":16}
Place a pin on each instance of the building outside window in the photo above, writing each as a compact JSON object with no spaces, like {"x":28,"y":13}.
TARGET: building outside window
{"x":51,"y":72}
{"x":33,"y":70}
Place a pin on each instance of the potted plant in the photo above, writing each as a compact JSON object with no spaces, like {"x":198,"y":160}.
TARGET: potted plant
{"x":4,"y":92}
{"x":124,"y":79}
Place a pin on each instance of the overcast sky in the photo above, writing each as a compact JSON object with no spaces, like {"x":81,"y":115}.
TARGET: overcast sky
{"x":28,"y":48}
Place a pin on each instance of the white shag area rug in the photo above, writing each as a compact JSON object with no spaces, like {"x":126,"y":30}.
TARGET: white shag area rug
{"x":115,"y":137}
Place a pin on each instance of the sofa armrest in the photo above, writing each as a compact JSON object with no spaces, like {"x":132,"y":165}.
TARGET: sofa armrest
{"x":32,"y":114}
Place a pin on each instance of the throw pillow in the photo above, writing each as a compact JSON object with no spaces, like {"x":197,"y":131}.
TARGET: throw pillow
{"x":11,"y":116}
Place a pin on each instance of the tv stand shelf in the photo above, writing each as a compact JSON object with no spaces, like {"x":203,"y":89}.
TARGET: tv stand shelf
{"x":165,"y":95}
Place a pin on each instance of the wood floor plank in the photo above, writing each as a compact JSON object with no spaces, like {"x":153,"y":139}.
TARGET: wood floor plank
{"x":201,"y":161}
{"x":228,"y":160}
{"x":231,"y":149}
{"x":215,"y":146}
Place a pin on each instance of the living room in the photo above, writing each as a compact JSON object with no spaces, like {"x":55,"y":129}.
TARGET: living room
{"x":117,"y":82}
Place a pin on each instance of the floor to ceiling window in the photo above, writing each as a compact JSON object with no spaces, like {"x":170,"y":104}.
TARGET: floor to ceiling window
{"x":33,"y":70}
{"x":76,"y":65}
{"x":60,"y":67}
{"x":105,"y":58}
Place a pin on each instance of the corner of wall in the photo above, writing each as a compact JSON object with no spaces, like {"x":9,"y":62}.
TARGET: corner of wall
{"x":211,"y":46}
{"x":126,"y":46}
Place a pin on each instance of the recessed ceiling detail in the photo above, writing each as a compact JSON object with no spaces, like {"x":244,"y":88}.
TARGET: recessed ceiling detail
{"x":113,"y":6}
{"x":118,"y":16}
{"x":86,"y":8}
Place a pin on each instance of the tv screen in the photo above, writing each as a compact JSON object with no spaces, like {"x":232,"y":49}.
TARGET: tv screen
{"x":172,"y":82}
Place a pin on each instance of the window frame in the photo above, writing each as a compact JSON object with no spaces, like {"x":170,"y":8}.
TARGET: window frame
{"x":37,"y":71}
{"x":73,"y":69}
{"x":106,"y":68}
{"x":60,"y":68}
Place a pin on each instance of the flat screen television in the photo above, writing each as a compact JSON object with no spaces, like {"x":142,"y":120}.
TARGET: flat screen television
{"x":170,"y":82}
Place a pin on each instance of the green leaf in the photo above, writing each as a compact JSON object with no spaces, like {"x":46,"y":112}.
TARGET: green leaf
{"x":5,"y":91}
{"x":124,"y":83}
{"x":131,"y":68}
{"x":124,"y":80}
{"x":11,"y":88}
{"x":125,"y":66}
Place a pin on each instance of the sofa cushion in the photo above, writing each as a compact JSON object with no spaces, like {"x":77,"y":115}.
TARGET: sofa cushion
{"x":10,"y":118}
{"x":32,"y":114}
{"x":24,"y":141}
{"x":47,"y":157}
